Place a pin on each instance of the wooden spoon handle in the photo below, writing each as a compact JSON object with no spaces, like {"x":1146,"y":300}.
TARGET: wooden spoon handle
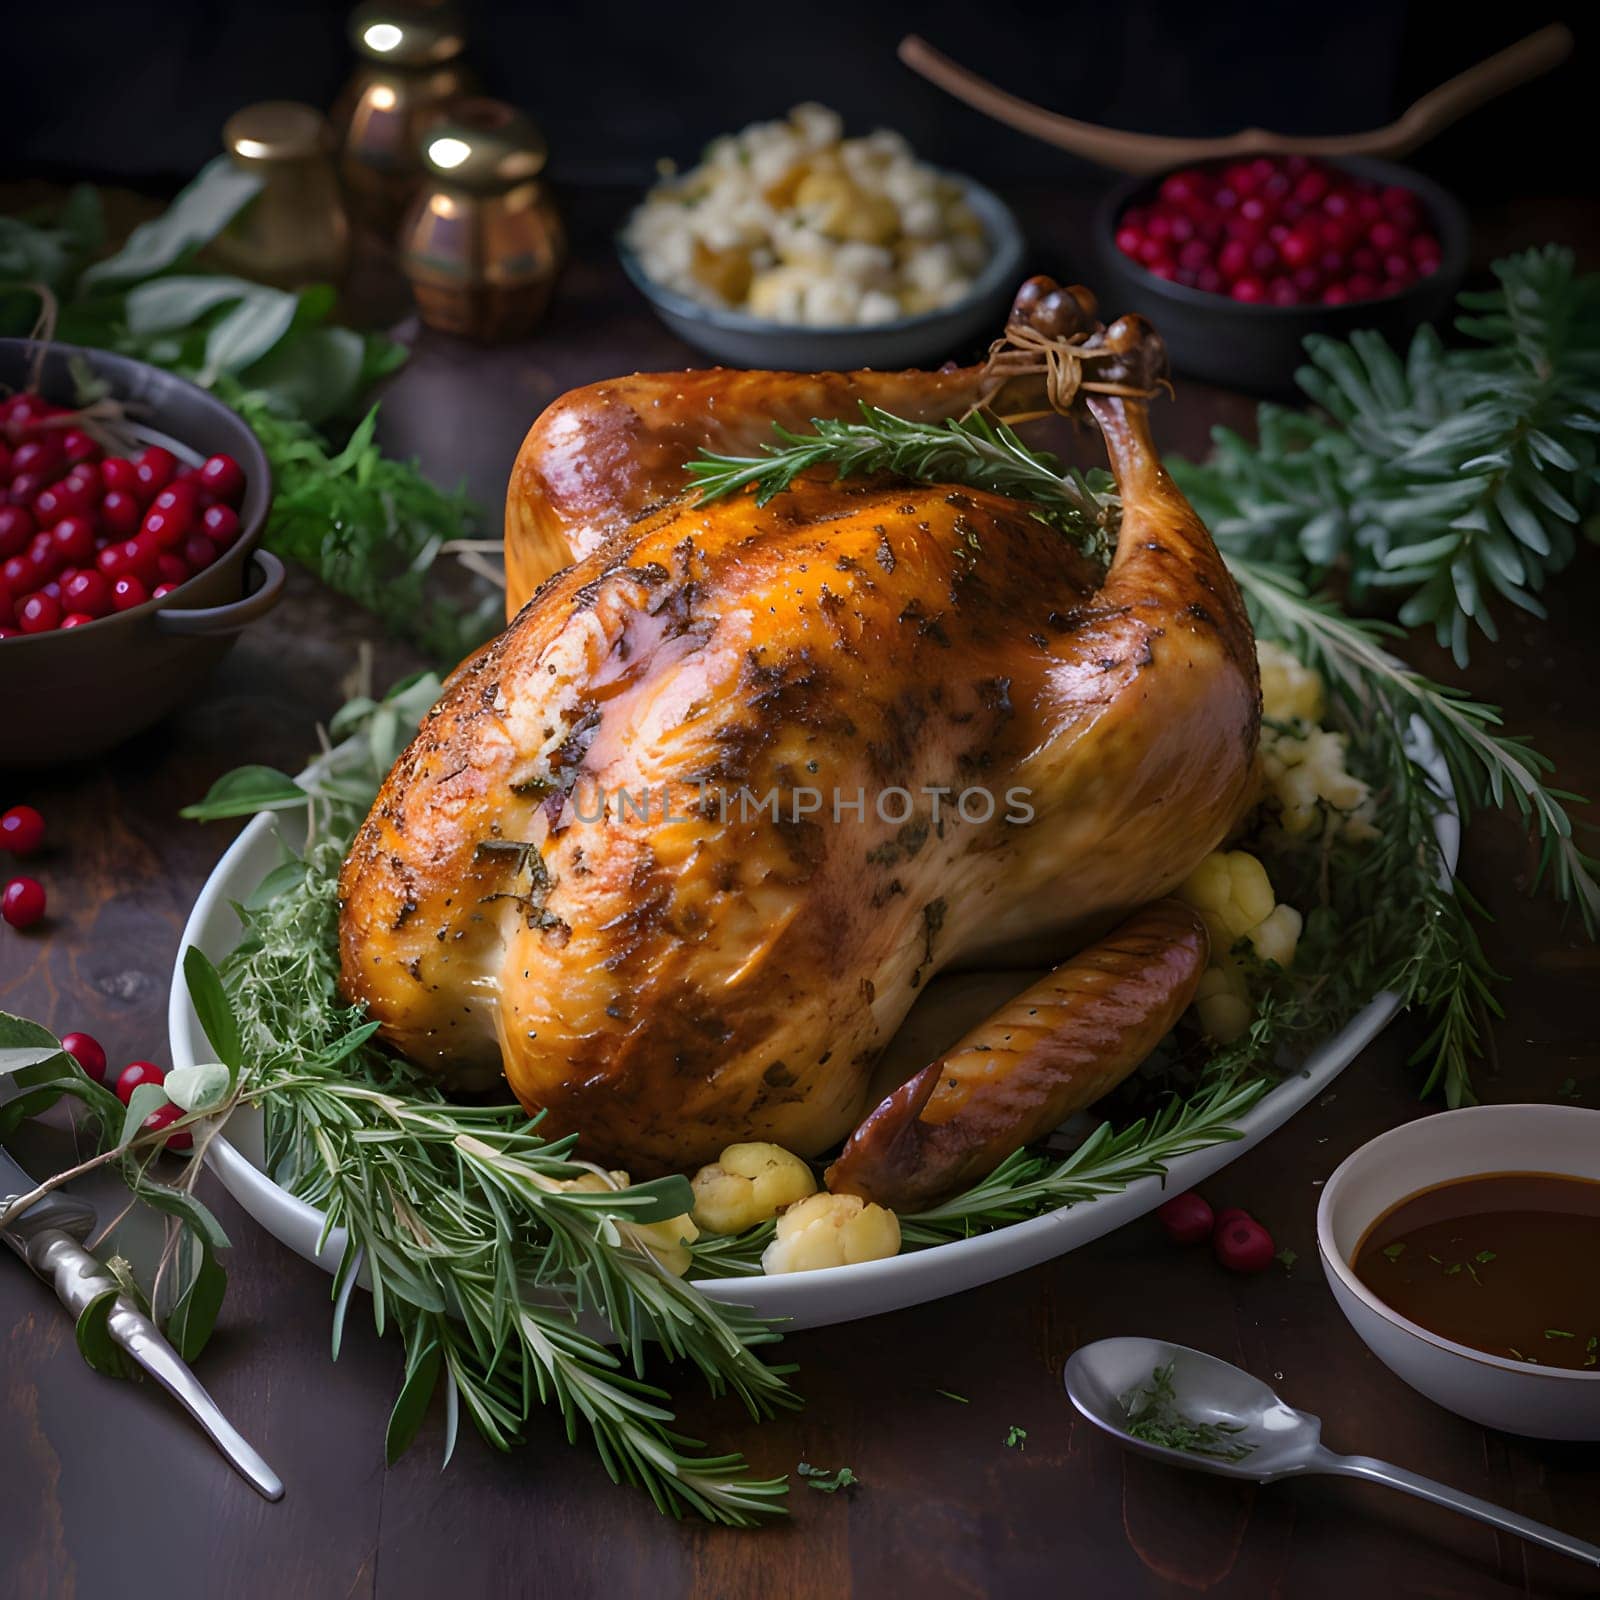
{"x":1154,"y":152}
{"x":1507,"y":69}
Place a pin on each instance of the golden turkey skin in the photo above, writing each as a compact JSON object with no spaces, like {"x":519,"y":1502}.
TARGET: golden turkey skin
{"x":677,"y":851}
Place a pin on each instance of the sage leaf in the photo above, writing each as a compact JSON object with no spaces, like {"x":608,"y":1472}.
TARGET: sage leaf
{"x":245,"y":791}
{"x":148,"y":1097}
{"x":248,"y":332}
{"x":216,"y":1016}
{"x":95,"y":1343}
{"x":195,"y":1315}
{"x":199,"y":1086}
{"x":202,"y":210}
{"x":166,"y":305}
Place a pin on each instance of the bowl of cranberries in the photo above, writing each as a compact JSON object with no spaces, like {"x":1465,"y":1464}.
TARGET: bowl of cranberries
{"x":1237,"y":262}
{"x":128,"y":547}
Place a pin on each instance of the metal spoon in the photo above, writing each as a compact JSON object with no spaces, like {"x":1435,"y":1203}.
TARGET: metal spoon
{"x":1283,"y":1442}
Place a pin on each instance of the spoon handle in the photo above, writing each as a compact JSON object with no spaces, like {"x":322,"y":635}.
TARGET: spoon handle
{"x":1468,"y":1504}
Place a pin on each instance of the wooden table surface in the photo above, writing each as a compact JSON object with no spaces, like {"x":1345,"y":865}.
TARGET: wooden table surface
{"x":106,"y":1491}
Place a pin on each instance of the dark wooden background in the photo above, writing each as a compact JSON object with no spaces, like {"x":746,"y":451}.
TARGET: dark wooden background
{"x":106,"y":1491}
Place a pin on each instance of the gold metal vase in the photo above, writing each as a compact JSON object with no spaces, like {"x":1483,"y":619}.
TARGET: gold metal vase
{"x":483,"y":244}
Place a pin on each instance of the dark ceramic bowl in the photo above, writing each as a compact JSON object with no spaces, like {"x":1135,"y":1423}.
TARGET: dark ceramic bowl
{"x":65,"y":695}
{"x":1259,"y":347}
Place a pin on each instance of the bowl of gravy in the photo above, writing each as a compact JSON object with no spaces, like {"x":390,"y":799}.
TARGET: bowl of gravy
{"x":1464,"y":1248}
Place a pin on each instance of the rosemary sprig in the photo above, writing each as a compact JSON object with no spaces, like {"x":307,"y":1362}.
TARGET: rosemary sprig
{"x":487,"y":1267}
{"x":1027,"y":1184}
{"x":976,"y":451}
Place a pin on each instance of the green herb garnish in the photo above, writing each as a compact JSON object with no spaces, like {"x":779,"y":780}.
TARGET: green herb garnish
{"x":1152,"y":1415}
{"x":1016,"y":1438}
{"x":826,"y":1482}
{"x":950,"y":1394}
{"x":1394,"y":1251}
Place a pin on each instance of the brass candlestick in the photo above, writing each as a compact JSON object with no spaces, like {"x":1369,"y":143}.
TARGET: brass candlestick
{"x":410,"y":70}
{"x":482,"y":243}
{"x":295,"y":231}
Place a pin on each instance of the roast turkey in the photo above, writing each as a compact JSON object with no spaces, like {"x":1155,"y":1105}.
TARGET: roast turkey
{"x":678,"y":850}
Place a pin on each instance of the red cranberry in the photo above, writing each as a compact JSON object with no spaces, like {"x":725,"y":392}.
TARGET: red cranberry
{"x":169,"y":528}
{"x":1193,"y":256}
{"x":117,"y":472}
{"x":23,"y":902}
{"x":28,"y":413}
{"x":199,"y":552}
{"x":163,"y":1117}
{"x":1159,"y":226}
{"x":1281,"y":292}
{"x":18,"y":574}
{"x":138,"y":556}
{"x":153,"y":470}
{"x":73,"y":538}
{"x":77,"y":445}
{"x":21,"y":830}
{"x":1248,"y":290}
{"x":8,"y":606}
{"x":1335,"y":295}
{"x":1298,"y":248}
{"x":88,"y":593}
{"x":52,"y":588}
{"x":1362,"y":286}
{"x":223,"y":476}
{"x":171,"y":569}
{"x":26,"y":487}
{"x":1263,"y":257}
{"x":1152,"y":251}
{"x":128,"y":592}
{"x":1209,"y":279}
{"x":39,"y":455}
{"x":39,"y":613}
{"x":135,"y":1073}
{"x":1181,"y":188}
{"x":16,"y":529}
{"x":1129,"y":240}
{"x":64,"y":499}
{"x":160,"y":592}
{"x":113,"y":559}
{"x":1232,"y":1214}
{"x":85,"y":1050}
{"x":120,"y":514}
{"x":1243,"y":1245}
{"x":76,"y":619}
{"x":1186,"y":1218}
{"x":1233,"y":258}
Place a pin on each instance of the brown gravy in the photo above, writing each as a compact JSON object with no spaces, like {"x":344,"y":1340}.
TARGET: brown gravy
{"x":1508,"y":1263}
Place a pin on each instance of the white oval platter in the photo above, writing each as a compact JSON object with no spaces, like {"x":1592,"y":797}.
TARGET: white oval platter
{"x":808,"y":1299}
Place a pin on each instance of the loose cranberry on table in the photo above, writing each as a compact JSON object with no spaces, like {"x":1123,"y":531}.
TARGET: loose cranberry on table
{"x":1282,"y":231}
{"x":1186,"y":1218}
{"x":21,"y":830}
{"x":1243,"y":1245}
{"x":22,"y":902}
{"x":86,"y":1051}
{"x":135,"y":1073}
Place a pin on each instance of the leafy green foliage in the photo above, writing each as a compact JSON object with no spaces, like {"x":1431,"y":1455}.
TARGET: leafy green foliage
{"x":368,"y":526}
{"x":1456,"y":477}
{"x":824,"y":1481}
{"x":474,"y":1250}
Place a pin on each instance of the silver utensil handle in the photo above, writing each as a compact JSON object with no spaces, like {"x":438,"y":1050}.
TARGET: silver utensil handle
{"x":78,"y":1279}
{"x":1470,"y":1505}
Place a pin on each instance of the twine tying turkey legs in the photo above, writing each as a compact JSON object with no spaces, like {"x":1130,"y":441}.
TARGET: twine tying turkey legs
{"x":1025,"y":351}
